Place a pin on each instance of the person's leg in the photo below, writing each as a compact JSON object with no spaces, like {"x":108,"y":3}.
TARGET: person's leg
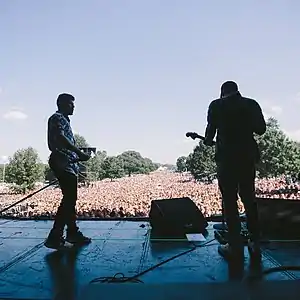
{"x":228,"y":186}
{"x":55,"y":238}
{"x":66,"y":213}
{"x":74,"y":236}
{"x":233,"y":252}
{"x":247,"y":193}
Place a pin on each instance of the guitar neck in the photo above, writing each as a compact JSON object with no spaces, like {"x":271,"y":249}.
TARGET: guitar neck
{"x":195,"y":135}
{"x":201,"y":137}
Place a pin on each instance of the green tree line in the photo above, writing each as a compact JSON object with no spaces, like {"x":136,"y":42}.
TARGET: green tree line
{"x":25,"y":168}
{"x":279,"y":155}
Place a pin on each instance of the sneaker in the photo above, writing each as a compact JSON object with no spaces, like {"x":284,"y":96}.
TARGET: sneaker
{"x":54,"y":241}
{"x":77,"y":238}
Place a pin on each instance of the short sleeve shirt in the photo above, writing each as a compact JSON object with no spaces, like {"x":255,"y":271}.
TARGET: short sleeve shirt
{"x":233,"y":118}
{"x":59,"y":124}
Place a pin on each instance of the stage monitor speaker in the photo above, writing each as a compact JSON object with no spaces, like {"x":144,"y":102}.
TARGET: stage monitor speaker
{"x":279,"y":217}
{"x":176,"y":217}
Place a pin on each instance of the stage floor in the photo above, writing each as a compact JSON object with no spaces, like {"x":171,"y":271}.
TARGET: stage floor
{"x":28,"y":270}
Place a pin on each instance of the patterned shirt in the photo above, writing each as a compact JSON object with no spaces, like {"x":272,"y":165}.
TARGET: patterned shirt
{"x":59,"y":124}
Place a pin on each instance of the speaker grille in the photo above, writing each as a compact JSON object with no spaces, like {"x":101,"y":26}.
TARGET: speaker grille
{"x":176,"y":216}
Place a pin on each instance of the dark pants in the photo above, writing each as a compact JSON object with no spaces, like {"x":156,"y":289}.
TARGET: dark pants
{"x":238,"y":178}
{"x":66,"y":213}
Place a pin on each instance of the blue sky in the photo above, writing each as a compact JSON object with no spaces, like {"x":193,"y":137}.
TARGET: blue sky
{"x":142,"y":72}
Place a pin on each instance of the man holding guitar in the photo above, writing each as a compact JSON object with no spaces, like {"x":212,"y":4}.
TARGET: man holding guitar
{"x":63,"y":162}
{"x":235,"y":119}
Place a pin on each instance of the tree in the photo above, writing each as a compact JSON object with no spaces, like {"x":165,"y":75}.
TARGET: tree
{"x":112,"y":167}
{"x":201,"y":161}
{"x":279,"y":154}
{"x":134,"y":163}
{"x":149,"y":165}
{"x":95,"y":166}
{"x":181,"y":164}
{"x":1,"y":172}
{"x":80,"y":141}
{"x":24,"y":169}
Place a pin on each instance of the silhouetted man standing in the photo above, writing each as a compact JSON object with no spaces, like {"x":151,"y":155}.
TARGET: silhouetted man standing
{"x":235,"y":118}
{"x":64,"y":163}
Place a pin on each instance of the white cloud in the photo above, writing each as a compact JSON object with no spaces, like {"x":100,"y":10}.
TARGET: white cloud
{"x":296,"y":98}
{"x":265,"y":112}
{"x":271,"y":110}
{"x":276,"y":109}
{"x":15,"y":114}
{"x":293,"y":134}
{"x":4,"y":159}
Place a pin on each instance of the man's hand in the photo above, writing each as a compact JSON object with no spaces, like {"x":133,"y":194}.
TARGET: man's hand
{"x":83,"y":156}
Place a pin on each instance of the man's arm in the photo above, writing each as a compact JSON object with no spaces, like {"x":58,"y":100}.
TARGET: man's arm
{"x":66,"y":142}
{"x":259,"y":123}
{"x":57,"y":125}
{"x":211,"y":127}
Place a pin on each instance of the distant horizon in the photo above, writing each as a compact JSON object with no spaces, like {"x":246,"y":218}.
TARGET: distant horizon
{"x":45,"y":161}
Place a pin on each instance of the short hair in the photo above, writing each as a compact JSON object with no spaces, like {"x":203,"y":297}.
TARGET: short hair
{"x":64,"y":98}
{"x":229,"y":87}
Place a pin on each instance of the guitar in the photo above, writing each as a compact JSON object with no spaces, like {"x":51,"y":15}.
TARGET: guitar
{"x":88,"y":150}
{"x":195,"y":135}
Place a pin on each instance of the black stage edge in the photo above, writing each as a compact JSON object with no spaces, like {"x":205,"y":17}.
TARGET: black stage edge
{"x":274,"y":290}
{"x":131,"y":219}
{"x":28,"y":270}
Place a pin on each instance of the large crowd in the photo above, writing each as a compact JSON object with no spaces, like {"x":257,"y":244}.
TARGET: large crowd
{"x":131,"y":196}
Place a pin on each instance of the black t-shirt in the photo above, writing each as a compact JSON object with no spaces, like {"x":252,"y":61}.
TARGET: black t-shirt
{"x":235,"y":118}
